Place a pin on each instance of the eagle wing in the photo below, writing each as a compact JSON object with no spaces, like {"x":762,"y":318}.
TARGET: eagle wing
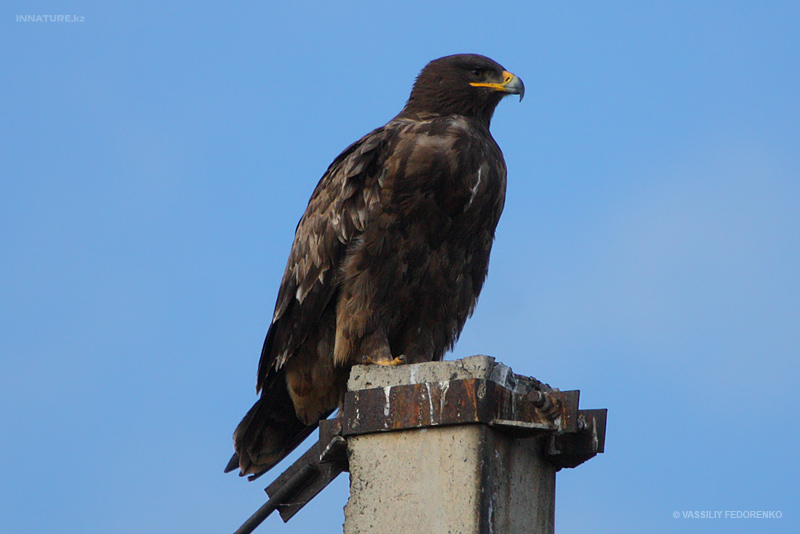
{"x":337,"y":213}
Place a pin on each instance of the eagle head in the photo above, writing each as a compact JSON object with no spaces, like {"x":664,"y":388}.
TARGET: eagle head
{"x":464,"y":84}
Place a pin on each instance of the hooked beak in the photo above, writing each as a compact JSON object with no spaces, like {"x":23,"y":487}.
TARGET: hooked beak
{"x":511,"y":85}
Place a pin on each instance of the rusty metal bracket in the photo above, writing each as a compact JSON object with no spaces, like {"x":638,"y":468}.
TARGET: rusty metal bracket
{"x":574,"y":448}
{"x":457,"y":402}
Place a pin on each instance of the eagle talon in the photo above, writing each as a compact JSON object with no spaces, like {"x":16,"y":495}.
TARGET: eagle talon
{"x":399,"y":360}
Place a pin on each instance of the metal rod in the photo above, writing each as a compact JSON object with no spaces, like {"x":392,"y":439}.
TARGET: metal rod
{"x":277,"y":499}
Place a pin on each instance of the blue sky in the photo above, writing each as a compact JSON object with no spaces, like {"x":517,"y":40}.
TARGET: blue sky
{"x":155,"y":159}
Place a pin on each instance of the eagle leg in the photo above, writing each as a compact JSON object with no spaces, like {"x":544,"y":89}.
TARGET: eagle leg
{"x":375,"y":350}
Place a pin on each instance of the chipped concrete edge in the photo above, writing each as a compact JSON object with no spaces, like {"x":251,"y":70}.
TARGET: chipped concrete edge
{"x":480,"y":367}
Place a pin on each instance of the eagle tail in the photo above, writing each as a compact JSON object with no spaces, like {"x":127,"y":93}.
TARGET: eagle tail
{"x":233,"y":463}
{"x":268,"y":432}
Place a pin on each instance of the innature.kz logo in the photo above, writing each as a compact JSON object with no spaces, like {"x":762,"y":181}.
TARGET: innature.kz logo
{"x":50,"y":18}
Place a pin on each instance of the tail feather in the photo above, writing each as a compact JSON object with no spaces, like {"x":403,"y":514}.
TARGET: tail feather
{"x":233,"y":463}
{"x":268,"y":432}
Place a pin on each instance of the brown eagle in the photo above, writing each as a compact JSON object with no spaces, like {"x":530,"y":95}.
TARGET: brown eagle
{"x":389,"y":256}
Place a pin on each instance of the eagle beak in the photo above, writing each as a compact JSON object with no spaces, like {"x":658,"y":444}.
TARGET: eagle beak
{"x":511,"y":85}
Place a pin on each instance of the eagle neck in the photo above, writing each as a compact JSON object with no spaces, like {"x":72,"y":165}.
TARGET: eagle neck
{"x":406,"y":114}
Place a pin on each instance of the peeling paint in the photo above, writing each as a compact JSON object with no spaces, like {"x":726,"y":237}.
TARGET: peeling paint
{"x":387,"y":391}
{"x":430,"y":401}
{"x":443,"y":386}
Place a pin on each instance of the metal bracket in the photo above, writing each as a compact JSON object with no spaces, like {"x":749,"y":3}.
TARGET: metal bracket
{"x":572,"y":449}
{"x":453,"y":402}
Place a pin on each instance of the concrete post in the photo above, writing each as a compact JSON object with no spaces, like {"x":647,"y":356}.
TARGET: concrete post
{"x":465,"y":479}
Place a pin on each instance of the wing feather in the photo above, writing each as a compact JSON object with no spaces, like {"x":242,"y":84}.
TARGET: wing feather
{"x":336,"y":214}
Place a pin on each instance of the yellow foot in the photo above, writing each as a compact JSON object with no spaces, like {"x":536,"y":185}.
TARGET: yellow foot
{"x":400,"y":360}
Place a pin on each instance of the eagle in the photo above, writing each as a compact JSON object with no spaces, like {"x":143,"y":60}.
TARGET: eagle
{"x":389,"y":257}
